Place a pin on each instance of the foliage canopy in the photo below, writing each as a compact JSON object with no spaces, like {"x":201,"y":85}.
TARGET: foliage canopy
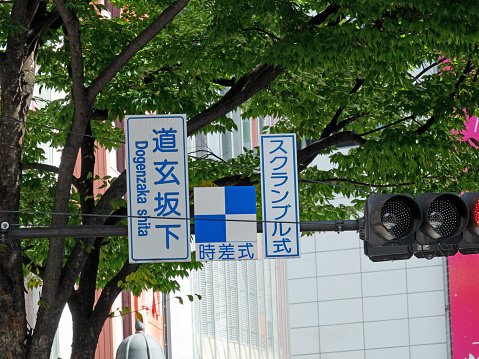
{"x":391,"y":78}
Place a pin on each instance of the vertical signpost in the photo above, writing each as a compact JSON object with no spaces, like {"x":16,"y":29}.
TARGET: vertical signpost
{"x":279,"y":187}
{"x":157,"y":184}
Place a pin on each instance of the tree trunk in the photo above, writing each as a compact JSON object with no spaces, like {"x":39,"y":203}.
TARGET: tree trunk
{"x":18,"y":77}
{"x":85,"y":337}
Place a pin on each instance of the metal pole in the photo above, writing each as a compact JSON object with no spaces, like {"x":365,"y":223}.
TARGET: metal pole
{"x":122,"y":231}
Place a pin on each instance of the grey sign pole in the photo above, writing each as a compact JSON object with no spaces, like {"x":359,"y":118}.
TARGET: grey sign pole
{"x":122,"y":231}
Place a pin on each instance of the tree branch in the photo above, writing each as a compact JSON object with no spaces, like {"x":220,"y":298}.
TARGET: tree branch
{"x":47,"y":168}
{"x":247,"y":86}
{"x":235,"y":180}
{"x":40,"y":167}
{"x":426,"y":125}
{"x":111,"y":290}
{"x":322,"y":16}
{"x":91,"y":320}
{"x":133,"y":47}
{"x":19,"y":10}
{"x":116,"y":217}
{"x":468,"y":68}
{"x":256,"y":79}
{"x":370,"y":185}
{"x":85,"y":189}
{"x":333,"y":126}
{"x":116,"y":189}
{"x":40,"y":271}
{"x":42,"y":22}
{"x":79,"y":256}
{"x":72,"y":25}
{"x":99,"y":115}
{"x":82,"y":300}
{"x":270,"y":35}
{"x":59,"y":281}
{"x":2,"y":67}
{"x":388,"y":125}
{"x":428,"y":68}
{"x":307,"y":155}
{"x":463,"y":77}
{"x":351,"y":119}
{"x":225,"y":82}
{"x":80,"y":119}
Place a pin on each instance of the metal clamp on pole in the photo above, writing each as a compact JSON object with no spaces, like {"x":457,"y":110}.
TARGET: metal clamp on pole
{"x":361,"y":223}
{"x":4,"y":227}
{"x":339,"y":225}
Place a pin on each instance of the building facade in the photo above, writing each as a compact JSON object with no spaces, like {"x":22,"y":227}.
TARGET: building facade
{"x":342,"y":305}
{"x":243,"y":311}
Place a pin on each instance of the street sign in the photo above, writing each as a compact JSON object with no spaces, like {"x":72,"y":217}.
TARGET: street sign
{"x":279,"y":188}
{"x":157,"y":180}
{"x":225,"y":223}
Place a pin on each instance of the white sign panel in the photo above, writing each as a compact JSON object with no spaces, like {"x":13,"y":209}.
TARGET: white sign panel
{"x":279,"y":187}
{"x":225,"y":223}
{"x":157,"y":180}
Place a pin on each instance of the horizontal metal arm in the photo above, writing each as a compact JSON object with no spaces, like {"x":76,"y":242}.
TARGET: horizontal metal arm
{"x":122,"y":231}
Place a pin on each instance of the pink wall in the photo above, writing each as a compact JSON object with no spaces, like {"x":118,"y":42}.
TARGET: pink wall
{"x":464,"y":289}
{"x":464,"y":297}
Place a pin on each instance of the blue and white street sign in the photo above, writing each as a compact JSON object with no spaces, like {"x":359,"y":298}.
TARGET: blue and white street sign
{"x":157,"y":180}
{"x":279,"y":188}
{"x":225,"y":223}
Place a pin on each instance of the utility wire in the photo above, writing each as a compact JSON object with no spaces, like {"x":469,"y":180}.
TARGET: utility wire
{"x":161,"y":302}
{"x":148,"y":217}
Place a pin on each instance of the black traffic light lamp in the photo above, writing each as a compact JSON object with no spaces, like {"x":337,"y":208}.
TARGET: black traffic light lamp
{"x":445,"y":216}
{"x":390,"y":223}
{"x":470,"y":237}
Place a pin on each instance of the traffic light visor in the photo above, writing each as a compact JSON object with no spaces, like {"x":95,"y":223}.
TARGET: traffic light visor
{"x":445,"y":215}
{"x":396,"y":218}
{"x":476,"y":213}
{"x":472,"y":201}
{"x":393,"y":217}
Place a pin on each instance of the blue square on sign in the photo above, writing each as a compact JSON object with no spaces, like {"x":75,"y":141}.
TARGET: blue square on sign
{"x":210,"y":231}
{"x":225,"y":214}
{"x":240,"y":200}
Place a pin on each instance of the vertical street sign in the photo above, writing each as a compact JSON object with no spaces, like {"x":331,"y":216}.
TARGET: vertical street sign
{"x":279,"y":188}
{"x":157,"y":180}
{"x":225,"y":223}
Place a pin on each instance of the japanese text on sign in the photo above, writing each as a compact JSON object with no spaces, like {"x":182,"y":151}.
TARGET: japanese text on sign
{"x":279,"y":186}
{"x":157,"y":188}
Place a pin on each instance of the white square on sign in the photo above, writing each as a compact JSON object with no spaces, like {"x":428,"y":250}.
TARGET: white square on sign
{"x":211,"y":201}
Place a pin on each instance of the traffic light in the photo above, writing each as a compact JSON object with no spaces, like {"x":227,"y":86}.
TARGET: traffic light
{"x":470,"y":237}
{"x":396,"y":226}
{"x":445,"y":217}
{"x":390,"y":223}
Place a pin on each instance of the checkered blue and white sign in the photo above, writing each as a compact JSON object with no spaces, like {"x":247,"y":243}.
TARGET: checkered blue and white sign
{"x":225,"y":223}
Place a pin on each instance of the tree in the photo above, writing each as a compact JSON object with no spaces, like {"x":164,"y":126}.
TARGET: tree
{"x":333,"y":73}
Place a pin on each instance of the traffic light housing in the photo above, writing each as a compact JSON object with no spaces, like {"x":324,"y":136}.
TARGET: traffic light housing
{"x":445,"y":217}
{"x":396,"y":226}
{"x":390,"y":223}
{"x":470,"y":238}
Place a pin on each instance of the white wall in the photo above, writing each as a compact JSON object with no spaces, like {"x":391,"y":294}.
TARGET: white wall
{"x":181,"y":329}
{"x":342,"y":305}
